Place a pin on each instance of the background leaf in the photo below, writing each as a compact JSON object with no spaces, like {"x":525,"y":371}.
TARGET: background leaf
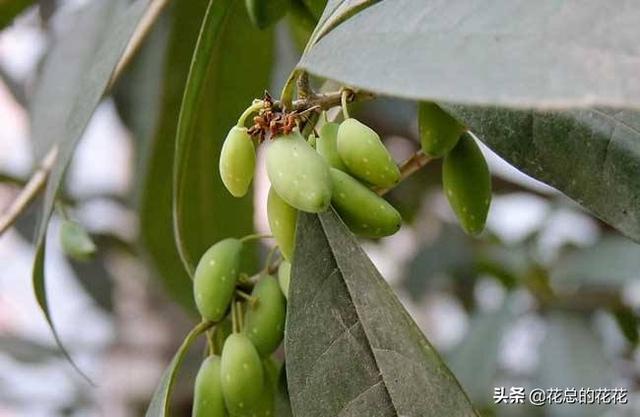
{"x":553,"y":54}
{"x":611,"y":263}
{"x":475,"y":360}
{"x":572,"y":356}
{"x":63,"y":106}
{"x":343,"y":319}
{"x":232,"y":72}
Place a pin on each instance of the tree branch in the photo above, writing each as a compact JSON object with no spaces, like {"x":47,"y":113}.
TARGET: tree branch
{"x":408,"y":168}
{"x":30,"y":191}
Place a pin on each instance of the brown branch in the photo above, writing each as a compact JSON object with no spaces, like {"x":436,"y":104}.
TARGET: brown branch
{"x":30,"y":191}
{"x":408,"y":168}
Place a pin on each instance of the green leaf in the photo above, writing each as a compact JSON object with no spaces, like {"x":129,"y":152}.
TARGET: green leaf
{"x":9,"y":9}
{"x":159,"y":405}
{"x":591,"y":155}
{"x":74,"y":78}
{"x":229,"y":69}
{"x":343,"y":319}
{"x":557,"y":54}
{"x":572,"y":356}
{"x":611,"y":263}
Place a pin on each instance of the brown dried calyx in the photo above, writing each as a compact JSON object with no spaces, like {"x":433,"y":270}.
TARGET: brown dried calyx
{"x":271,"y":121}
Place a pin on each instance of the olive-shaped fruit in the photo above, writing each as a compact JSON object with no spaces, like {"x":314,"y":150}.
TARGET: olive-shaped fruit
{"x":467,"y":184}
{"x":439,"y":132}
{"x":264,"y":319}
{"x":284,"y":277}
{"x":364,"y":154}
{"x":282,"y":221}
{"x":242,"y":374}
{"x":237,"y":161}
{"x":214,"y":281}
{"x":365,"y":212}
{"x":327,"y":145}
{"x":298,"y":173}
{"x":264,"y":13}
{"x":76,"y":242}
{"x":208,"y":400}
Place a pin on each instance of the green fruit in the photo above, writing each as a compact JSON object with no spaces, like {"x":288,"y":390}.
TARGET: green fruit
{"x":467,"y":183}
{"x":264,"y":319}
{"x":298,"y":174}
{"x":282,"y":221}
{"x":364,"y":154}
{"x":327,"y":145}
{"x":242,"y":374}
{"x":215,"y":278}
{"x":237,"y":161}
{"x":284,"y":277}
{"x":76,"y":242}
{"x":264,"y":13}
{"x":208,"y":400}
{"x":365,"y":212}
{"x":439,"y":132}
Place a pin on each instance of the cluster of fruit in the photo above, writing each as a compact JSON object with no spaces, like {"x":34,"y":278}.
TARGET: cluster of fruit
{"x":241,"y":380}
{"x":339,"y":167}
{"x":342,"y":166}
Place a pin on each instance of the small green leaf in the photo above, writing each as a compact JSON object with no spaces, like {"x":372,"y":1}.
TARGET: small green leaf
{"x":343,"y":316}
{"x":74,"y":78}
{"x":159,"y":405}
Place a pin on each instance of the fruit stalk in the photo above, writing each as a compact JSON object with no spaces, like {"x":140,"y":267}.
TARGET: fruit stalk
{"x":418,"y":160}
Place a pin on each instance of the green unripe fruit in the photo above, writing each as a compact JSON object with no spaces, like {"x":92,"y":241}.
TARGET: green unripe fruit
{"x":264,"y":319}
{"x":298,"y":173}
{"x":364,"y":154}
{"x":365,"y":212}
{"x":284,"y":277}
{"x":327,"y":145}
{"x":282,"y":221}
{"x":242,"y":374}
{"x":439,"y":132}
{"x":76,"y":242}
{"x":215,"y":278}
{"x":467,"y":184}
{"x":264,"y":13}
{"x":208,"y":400}
{"x":237,"y":161}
